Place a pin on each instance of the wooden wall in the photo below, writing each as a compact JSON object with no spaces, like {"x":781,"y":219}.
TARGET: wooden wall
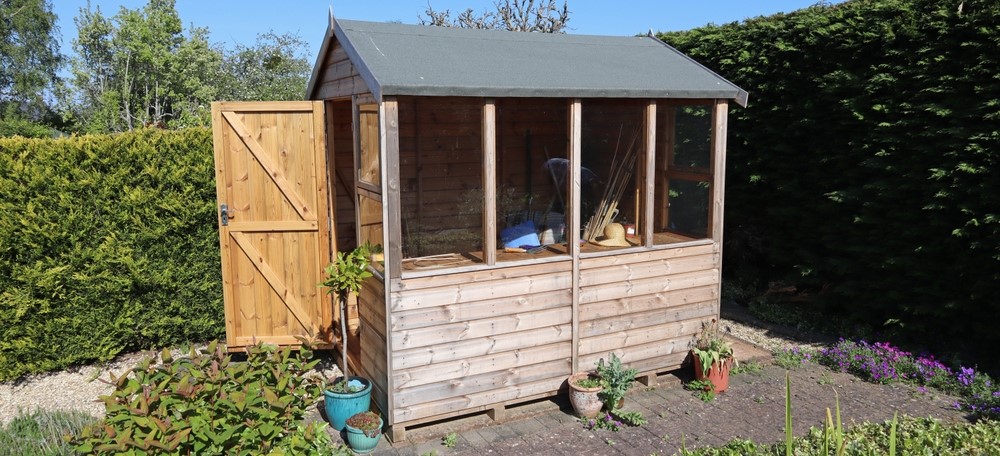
{"x":647,"y":306}
{"x":371,"y":311}
{"x":470,"y":341}
{"x":338,"y":78}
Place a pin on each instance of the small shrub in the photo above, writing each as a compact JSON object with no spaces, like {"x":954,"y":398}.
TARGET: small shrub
{"x":881,"y":362}
{"x":206,"y":404}
{"x":605,"y":421}
{"x":980,"y":394}
{"x":703,"y":389}
{"x":615,"y":380}
{"x":450,"y":440}
{"x":747,"y":367}
{"x":41,"y":432}
{"x":792,"y":358}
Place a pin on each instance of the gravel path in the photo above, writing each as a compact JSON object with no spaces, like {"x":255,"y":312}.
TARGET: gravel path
{"x":79,"y":388}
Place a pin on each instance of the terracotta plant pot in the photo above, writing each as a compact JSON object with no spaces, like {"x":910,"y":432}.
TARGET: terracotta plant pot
{"x":586,"y":402}
{"x":718,"y":374}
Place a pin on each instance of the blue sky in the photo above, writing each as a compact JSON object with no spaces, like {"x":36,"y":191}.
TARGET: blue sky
{"x":239,"y":21}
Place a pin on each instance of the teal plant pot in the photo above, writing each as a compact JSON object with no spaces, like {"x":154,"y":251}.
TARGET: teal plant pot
{"x":361,"y":443}
{"x":341,"y":406}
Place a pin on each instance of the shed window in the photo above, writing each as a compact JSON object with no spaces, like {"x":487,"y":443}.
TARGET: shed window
{"x":612,"y":147}
{"x":683,"y":173}
{"x":531,"y":177}
{"x":440,"y":174}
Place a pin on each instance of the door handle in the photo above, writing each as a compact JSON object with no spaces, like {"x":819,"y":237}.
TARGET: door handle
{"x":224,"y":214}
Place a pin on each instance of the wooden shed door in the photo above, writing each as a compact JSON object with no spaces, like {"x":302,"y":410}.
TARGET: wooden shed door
{"x":270,"y":164}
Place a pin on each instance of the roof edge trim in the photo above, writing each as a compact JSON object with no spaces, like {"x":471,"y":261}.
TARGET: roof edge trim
{"x":742,"y":96}
{"x":357,"y":61}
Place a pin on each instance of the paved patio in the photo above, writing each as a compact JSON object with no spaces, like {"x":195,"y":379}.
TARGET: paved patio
{"x":753,"y":408}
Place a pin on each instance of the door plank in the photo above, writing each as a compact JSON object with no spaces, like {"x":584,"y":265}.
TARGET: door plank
{"x":272,"y":278}
{"x":270,"y":168}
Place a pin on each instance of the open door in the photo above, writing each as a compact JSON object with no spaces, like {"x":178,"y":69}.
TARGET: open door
{"x":270,"y":164}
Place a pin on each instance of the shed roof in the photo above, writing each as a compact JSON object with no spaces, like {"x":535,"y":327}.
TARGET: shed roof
{"x":401,"y":59}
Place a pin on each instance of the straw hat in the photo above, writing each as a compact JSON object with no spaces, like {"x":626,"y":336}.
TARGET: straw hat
{"x":614,"y":236}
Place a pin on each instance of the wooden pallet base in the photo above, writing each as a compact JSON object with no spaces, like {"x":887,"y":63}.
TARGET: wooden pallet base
{"x":497,"y":413}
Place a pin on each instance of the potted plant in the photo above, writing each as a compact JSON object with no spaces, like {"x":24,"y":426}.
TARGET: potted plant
{"x":615,"y":382}
{"x":584,"y":394}
{"x":364,"y":430}
{"x":347,"y":395}
{"x":713,"y":357}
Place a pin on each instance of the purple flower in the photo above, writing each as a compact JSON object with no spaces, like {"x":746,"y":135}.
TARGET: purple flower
{"x":966,"y":376}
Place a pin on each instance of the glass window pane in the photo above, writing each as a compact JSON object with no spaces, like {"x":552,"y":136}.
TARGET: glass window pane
{"x":693,"y":144}
{"x":689,"y":202}
{"x":371,"y":226}
{"x":531,"y":177}
{"x":440,"y":170}
{"x":683,"y":177}
{"x":611,"y":149}
{"x":368,"y":160}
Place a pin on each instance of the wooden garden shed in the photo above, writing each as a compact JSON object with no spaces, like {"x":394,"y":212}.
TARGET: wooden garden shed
{"x":542,"y":200}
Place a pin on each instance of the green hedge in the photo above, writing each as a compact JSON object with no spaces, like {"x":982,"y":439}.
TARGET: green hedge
{"x":107,"y":244}
{"x":865,"y":168}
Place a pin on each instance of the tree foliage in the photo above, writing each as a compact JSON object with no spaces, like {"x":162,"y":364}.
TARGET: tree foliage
{"x":139,"y":68}
{"x":515,"y":15}
{"x":275,"y":68}
{"x":866,"y":166}
{"x":29,"y":58}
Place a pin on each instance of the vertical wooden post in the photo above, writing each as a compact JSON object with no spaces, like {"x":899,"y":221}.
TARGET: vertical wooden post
{"x":322,"y":148}
{"x":489,"y":182}
{"x":389,"y":149}
{"x":575,"y":121}
{"x":720,"y":116}
{"x":391,"y":226}
{"x":648,"y":176}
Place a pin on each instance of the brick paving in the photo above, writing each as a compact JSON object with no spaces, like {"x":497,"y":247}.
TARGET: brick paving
{"x":753,"y":408}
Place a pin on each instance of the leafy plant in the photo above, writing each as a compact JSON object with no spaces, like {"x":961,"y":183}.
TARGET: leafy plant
{"x":615,"y":380}
{"x":344,"y":387}
{"x":792,"y":358}
{"x":702,"y":388}
{"x":630,"y":418}
{"x":368,"y":422}
{"x":207,"y":404}
{"x":606,"y":421}
{"x":749,"y":367}
{"x":348,"y":272}
{"x":587,"y":383}
{"x":345,"y":275}
{"x":450,"y":440}
{"x":710,"y":347}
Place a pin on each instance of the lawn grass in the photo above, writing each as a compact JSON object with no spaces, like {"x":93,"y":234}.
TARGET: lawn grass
{"x":40,"y":433}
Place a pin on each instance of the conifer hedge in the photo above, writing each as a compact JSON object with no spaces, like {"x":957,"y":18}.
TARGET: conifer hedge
{"x":866,"y":165}
{"x":107,"y":244}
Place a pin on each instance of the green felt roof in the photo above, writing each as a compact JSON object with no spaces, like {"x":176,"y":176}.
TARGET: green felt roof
{"x":401,"y":59}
